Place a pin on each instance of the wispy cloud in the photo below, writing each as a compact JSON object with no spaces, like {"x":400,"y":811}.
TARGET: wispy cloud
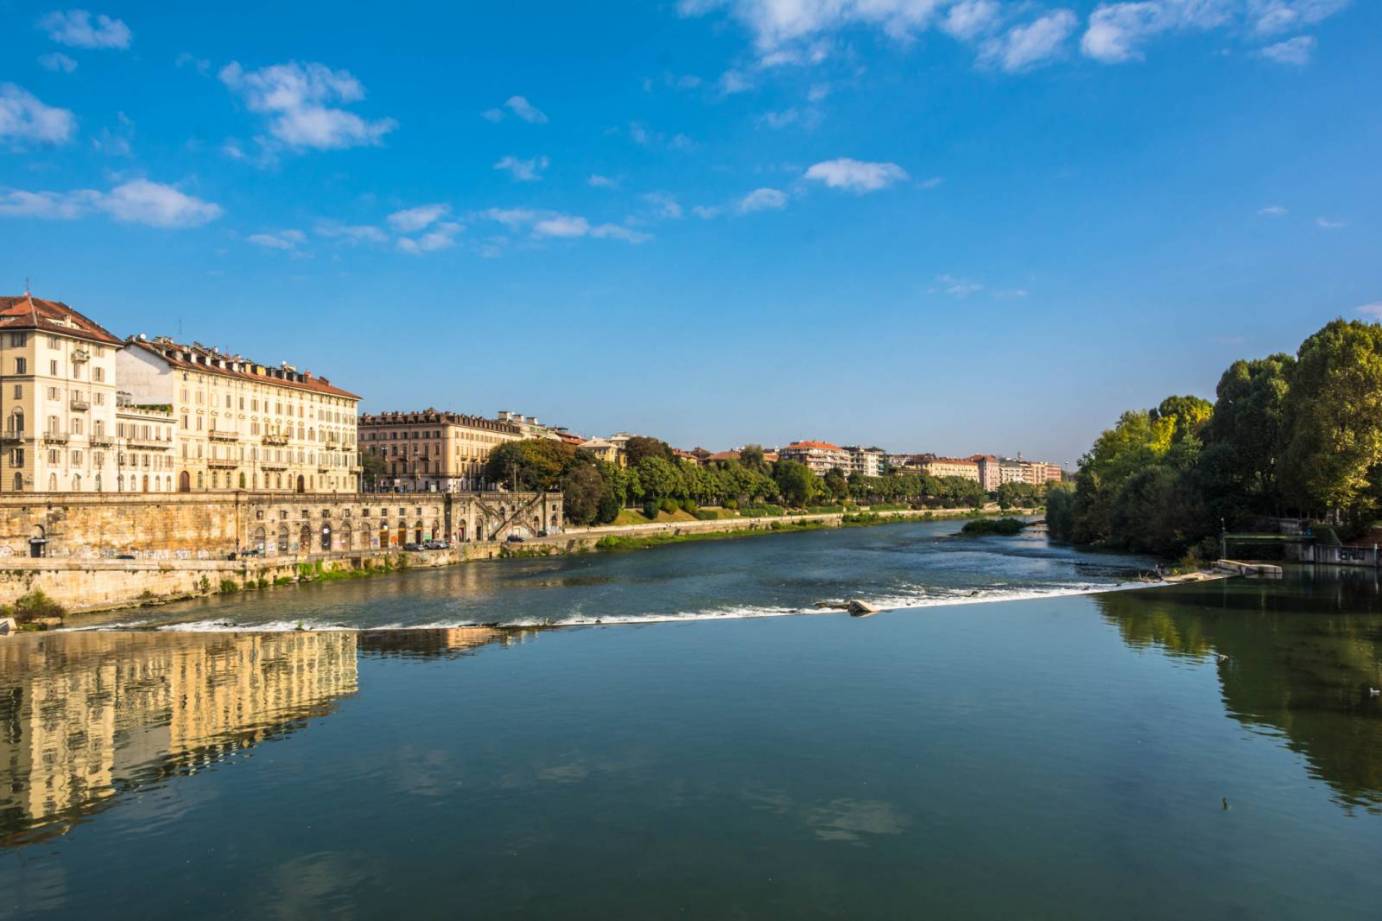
{"x":80,"y":29}
{"x":1295,"y":52}
{"x":24,"y":120}
{"x":644,"y":136}
{"x":763,"y":199}
{"x":956,"y":286}
{"x":302,"y":104}
{"x":1272,"y":211}
{"x":282,"y":240}
{"x":596,"y":181}
{"x":57,"y":62}
{"x":117,"y":141}
{"x":523,"y":170}
{"x":137,"y":201}
{"x":557,"y":225}
{"x":521,"y":108}
{"x":663,"y":205}
{"x":351,"y":233}
{"x":855,"y":175}
{"x":439,"y":236}
{"x":1373,"y":310}
{"x":1327,"y":223}
{"x":411,"y":220}
{"x":1030,"y":45}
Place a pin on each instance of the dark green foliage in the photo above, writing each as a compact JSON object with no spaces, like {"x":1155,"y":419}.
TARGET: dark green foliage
{"x":1001,"y":526}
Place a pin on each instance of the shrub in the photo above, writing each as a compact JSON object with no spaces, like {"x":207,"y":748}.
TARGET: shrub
{"x":731,"y":504}
{"x":204,"y":585}
{"x":1004,"y":526}
{"x":689,"y":505}
{"x":33,"y":606}
{"x":229,"y":586}
{"x":650,"y":510}
{"x":670,"y":506}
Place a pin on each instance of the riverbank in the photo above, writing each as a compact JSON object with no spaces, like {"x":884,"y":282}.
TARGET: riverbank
{"x":91,"y":586}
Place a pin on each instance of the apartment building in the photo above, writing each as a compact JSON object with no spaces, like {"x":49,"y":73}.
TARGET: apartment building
{"x":820,"y":456}
{"x":57,"y":399}
{"x":240,"y":424}
{"x":433,"y":450}
{"x":866,"y":461}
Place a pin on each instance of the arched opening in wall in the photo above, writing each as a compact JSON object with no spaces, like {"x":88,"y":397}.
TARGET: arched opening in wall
{"x":326,"y":537}
{"x":460,"y":533}
{"x":19,"y":482}
{"x":201,"y":481}
{"x":345,"y":537}
{"x":282,"y":538}
{"x":302,"y":484}
{"x":242,"y":481}
{"x":481,"y":529}
{"x":98,"y":482}
{"x":305,"y":539}
{"x":383,"y":536}
{"x":38,"y":542}
{"x":184,"y":482}
{"x":417,"y":533}
{"x":260,"y":539}
{"x":52,"y":482}
{"x":436,"y":530}
{"x":146,"y":482}
{"x":401,"y":537}
{"x":76,"y":482}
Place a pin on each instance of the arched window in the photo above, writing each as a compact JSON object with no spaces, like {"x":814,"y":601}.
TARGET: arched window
{"x":16,"y":423}
{"x":201,"y":481}
{"x":98,"y":482}
{"x":282,"y":538}
{"x":305,"y":539}
{"x":19,"y":482}
{"x":184,"y":482}
{"x":259,"y":538}
{"x":76,"y":482}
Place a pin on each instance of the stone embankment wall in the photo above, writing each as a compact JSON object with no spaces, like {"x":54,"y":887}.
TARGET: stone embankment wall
{"x":92,"y":582}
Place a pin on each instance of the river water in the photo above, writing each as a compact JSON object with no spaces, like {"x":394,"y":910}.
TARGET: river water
{"x":1078,"y":750}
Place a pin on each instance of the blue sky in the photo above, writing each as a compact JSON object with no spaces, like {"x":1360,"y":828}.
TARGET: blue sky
{"x":949,"y":225}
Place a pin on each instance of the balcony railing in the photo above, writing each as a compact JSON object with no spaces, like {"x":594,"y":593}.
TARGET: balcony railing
{"x":101,"y":441}
{"x":148,"y":443}
{"x":223,"y":435}
{"x":275,"y":439}
{"x":222,"y":462}
{"x":10,"y":436}
{"x":55,"y":438}
{"x":80,"y":404}
{"x":81,"y":355}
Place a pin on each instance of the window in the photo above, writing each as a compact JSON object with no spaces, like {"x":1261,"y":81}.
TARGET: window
{"x":17,"y":457}
{"x":53,"y":367}
{"x":19,"y":340}
{"x":76,"y":457}
{"x":19,"y":391}
{"x":98,"y":375}
{"x":53,"y":342}
{"x":21,"y":366}
{"x":54,"y":393}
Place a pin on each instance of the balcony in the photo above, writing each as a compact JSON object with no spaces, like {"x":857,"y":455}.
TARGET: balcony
{"x":12,"y":437}
{"x":81,"y":355}
{"x":101,"y":441}
{"x":55,"y":438}
{"x":79,"y":404}
{"x":147,"y":444}
{"x":275,"y":439}
{"x":273,"y":465}
{"x":223,"y":435}
{"x":222,"y":463}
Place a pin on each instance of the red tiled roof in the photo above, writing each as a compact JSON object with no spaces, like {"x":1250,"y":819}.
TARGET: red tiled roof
{"x":235,"y":366}
{"x":808,"y":445}
{"x":29,"y":312}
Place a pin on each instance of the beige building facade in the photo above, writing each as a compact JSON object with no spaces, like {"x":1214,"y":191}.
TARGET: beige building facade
{"x":433,"y":450}
{"x":820,"y":456}
{"x":57,"y":399}
{"x":243,"y":425}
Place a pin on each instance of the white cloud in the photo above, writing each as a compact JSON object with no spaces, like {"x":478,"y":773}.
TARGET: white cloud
{"x":411,"y":220}
{"x":57,"y":62}
{"x":200,"y":65}
{"x":645,"y":137}
{"x":298,"y":101}
{"x":493,"y":115}
{"x":775,"y":23}
{"x":79,"y":29}
{"x":526,"y":110}
{"x":285,"y":240}
{"x":707,"y":212}
{"x":1373,"y":310}
{"x":441,"y":236}
{"x":1294,"y":51}
{"x":734,"y":81}
{"x":1272,"y":211}
{"x":807,"y":118}
{"x":556,"y":225}
{"x":1272,"y":17}
{"x":1326,"y":223}
{"x":856,"y":175}
{"x":664,"y":206}
{"x":140,"y":201}
{"x":934,"y":182}
{"x":969,"y":19}
{"x":762,"y":200}
{"x":956,"y":287}
{"x":137,"y":201}
{"x":1026,"y":46}
{"x":25,"y":120}
{"x":523,"y":170}
{"x":597,"y":181}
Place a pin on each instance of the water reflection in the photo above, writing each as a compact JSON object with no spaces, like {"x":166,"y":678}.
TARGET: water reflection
{"x":1297,"y":656}
{"x":442,"y":642}
{"x":84,"y":717}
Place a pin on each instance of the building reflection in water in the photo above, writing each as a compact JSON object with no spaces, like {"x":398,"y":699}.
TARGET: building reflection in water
{"x":440,"y":642}
{"x":1300,"y":658}
{"x":84,"y":716}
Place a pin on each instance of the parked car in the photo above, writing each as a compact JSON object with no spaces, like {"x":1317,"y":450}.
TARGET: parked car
{"x":436,"y":545}
{"x":412,"y":547}
{"x":515,"y":538}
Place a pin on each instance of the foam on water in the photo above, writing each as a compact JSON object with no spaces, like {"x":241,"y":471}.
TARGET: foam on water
{"x":921,"y":599}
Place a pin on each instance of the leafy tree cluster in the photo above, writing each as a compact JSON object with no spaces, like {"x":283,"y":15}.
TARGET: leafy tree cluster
{"x":1286,"y":435}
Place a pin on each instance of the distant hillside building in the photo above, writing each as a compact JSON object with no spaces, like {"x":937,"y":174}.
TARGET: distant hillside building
{"x":866,"y":461}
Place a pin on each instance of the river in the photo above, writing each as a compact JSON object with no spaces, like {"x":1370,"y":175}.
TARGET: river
{"x":1021,"y":734}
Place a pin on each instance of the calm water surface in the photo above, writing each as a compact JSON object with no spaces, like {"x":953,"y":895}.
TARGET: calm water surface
{"x":1059,"y":756}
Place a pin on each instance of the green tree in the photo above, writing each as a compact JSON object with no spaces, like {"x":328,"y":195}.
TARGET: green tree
{"x":751,"y":456}
{"x":1240,"y":465}
{"x":795,"y":482}
{"x":836,"y":484}
{"x":585,"y":493}
{"x":641,"y":446}
{"x":373,"y":469}
{"x":533,"y":464}
{"x":1333,"y":418}
{"x":660,"y":479}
